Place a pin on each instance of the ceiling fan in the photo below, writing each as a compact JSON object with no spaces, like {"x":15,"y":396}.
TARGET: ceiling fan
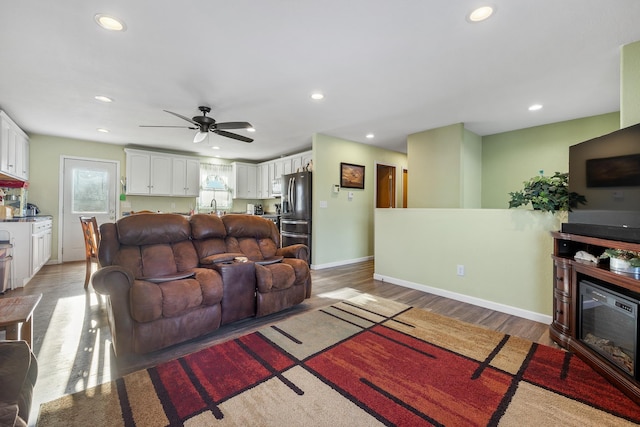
{"x":205,"y":124}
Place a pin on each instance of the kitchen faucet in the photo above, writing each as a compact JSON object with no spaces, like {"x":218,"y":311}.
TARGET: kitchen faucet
{"x":214,"y":205}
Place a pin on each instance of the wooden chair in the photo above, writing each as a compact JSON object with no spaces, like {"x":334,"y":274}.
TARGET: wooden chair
{"x":91,"y":235}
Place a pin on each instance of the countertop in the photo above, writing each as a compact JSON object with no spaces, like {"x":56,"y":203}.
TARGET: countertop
{"x":27,"y":218}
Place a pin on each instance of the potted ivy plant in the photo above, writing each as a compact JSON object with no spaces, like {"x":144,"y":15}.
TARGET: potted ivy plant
{"x":547,"y":194}
{"x":623,"y":260}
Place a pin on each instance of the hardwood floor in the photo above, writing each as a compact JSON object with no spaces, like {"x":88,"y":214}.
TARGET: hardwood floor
{"x":71,"y":336}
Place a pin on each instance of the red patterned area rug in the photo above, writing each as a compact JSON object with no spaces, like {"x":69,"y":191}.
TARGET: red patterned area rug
{"x":362,"y":362}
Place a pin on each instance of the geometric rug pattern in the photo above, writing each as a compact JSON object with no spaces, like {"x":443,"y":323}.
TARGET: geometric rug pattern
{"x":362,"y":362}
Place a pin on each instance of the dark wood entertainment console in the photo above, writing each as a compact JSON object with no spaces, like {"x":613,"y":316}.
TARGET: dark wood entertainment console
{"x":564,"y":328}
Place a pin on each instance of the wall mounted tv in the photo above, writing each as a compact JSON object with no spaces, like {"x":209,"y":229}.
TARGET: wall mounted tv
{"x":606,"y":170}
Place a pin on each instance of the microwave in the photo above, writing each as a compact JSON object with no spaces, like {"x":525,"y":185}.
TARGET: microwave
{"x":276,"y":187}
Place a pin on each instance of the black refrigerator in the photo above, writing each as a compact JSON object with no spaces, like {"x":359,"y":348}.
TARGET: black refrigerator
{"x":295,"y":222}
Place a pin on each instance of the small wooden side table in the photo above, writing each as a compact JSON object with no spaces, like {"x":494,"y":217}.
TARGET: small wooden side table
{"x":16,"y":315}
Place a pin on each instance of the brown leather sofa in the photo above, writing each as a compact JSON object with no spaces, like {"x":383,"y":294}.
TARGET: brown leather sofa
{"x":169,"y":279}
{"x":18,"y":374}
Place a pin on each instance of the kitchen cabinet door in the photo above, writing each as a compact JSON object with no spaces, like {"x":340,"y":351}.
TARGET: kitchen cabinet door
{"x":307,"y":158}
{"x":264,"y":183}
{"x":186,"y":177}
{"x":287,"y":166}
{"x":5,"y":134}
{"x":138,"y":173}
{"x":296,"y":164}
{"x":245,"y":181}
{"x":193,"y":178}
{"x":161,"y":177}
{"x":14,"y":152}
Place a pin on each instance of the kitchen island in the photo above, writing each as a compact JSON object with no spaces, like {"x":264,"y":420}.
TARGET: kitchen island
{"x":31,"y":240}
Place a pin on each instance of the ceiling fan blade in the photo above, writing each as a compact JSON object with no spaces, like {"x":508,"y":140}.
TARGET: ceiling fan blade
{"x":182,"y":117}
{"x":233,"y":125}
{"x":232,"y":135}
{"x":181,"y":127}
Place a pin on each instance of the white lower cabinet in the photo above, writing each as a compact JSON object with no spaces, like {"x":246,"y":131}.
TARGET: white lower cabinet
{"x":31,"y":248}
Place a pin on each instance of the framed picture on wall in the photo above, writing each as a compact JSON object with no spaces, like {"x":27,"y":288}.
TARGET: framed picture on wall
{"x":351,"y":176}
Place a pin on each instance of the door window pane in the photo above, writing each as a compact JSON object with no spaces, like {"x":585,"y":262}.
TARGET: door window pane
{"x":90,"y":191}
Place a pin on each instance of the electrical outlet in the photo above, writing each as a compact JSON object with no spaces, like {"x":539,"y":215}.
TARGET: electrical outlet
{"x":460,"y":270}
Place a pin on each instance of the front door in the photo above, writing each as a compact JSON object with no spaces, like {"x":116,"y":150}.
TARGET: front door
{"x":89,"y":188}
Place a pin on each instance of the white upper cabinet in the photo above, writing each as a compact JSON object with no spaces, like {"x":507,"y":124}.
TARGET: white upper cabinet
{"x":161,"y":175}
{"x":186,"y":177}
{"x":271,"y":171}
{"x":263,"y":181}
{"x":158,"y":174}
{"x":138,"y":172}
{"x":14,"y":149}
{"x":245,"y":181}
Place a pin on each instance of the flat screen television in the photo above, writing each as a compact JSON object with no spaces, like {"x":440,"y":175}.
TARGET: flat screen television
{"x":606,"y":170}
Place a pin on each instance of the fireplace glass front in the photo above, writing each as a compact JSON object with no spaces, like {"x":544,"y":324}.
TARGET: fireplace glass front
{"x":609,"y":324}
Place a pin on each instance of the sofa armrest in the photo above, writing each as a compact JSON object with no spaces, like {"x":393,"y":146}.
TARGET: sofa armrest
{"x":112,"y":279}
{"x":18,"y":374}
{"x":115,"y":283}
{"x":299,"y":251}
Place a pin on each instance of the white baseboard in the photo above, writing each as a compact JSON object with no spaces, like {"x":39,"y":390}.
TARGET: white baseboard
{"x":514,"y":311}
{"x":340,"y":263}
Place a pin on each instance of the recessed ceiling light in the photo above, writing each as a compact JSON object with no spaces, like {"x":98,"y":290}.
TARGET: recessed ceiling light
{"x":103,"y":130}
{"x":481,"y":13}
{"x":317,"y":95}
{"x":103,"y":98}
{"x":109,"y":22}
{"x":251,"y":129}
{"x":535,"y":107}
{"x":370,"y":135}
{"x":215,"y":148}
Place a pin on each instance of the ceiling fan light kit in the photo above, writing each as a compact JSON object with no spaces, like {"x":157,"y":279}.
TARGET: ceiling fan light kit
{"x":205,"y":124}
{"x":200,"y":136}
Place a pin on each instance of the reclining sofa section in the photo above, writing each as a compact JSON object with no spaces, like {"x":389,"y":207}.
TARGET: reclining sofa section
{"x":169,"y":279}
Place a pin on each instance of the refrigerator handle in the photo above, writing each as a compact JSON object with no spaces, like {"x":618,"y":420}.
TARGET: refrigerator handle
{"x":293,"y":191}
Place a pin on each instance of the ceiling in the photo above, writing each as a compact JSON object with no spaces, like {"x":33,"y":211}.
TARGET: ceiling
{"x":391,"y":68}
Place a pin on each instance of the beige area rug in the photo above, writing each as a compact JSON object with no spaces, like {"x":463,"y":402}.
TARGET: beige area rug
{"x":362,"y":362}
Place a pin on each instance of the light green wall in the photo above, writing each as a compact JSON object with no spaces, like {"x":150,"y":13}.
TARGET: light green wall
{"x":434,"y":158}
{"x":505,"y":254}
{"x":44,"y":171}
{"x":510,"y":158}
{"x":630,"y":85}
{"x":446,"y":168}
{"x":471,"y":170}
{"x":343,"y":230}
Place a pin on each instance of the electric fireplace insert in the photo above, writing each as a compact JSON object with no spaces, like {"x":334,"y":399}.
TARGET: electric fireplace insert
{"x":608,"y":323}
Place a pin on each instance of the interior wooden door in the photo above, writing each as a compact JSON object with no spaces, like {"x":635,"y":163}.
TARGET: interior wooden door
{"x":385,"y":186}
{"x":405,"y":187}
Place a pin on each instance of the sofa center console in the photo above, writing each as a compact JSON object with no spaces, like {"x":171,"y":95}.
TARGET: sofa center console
{"x":238,"y":296}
